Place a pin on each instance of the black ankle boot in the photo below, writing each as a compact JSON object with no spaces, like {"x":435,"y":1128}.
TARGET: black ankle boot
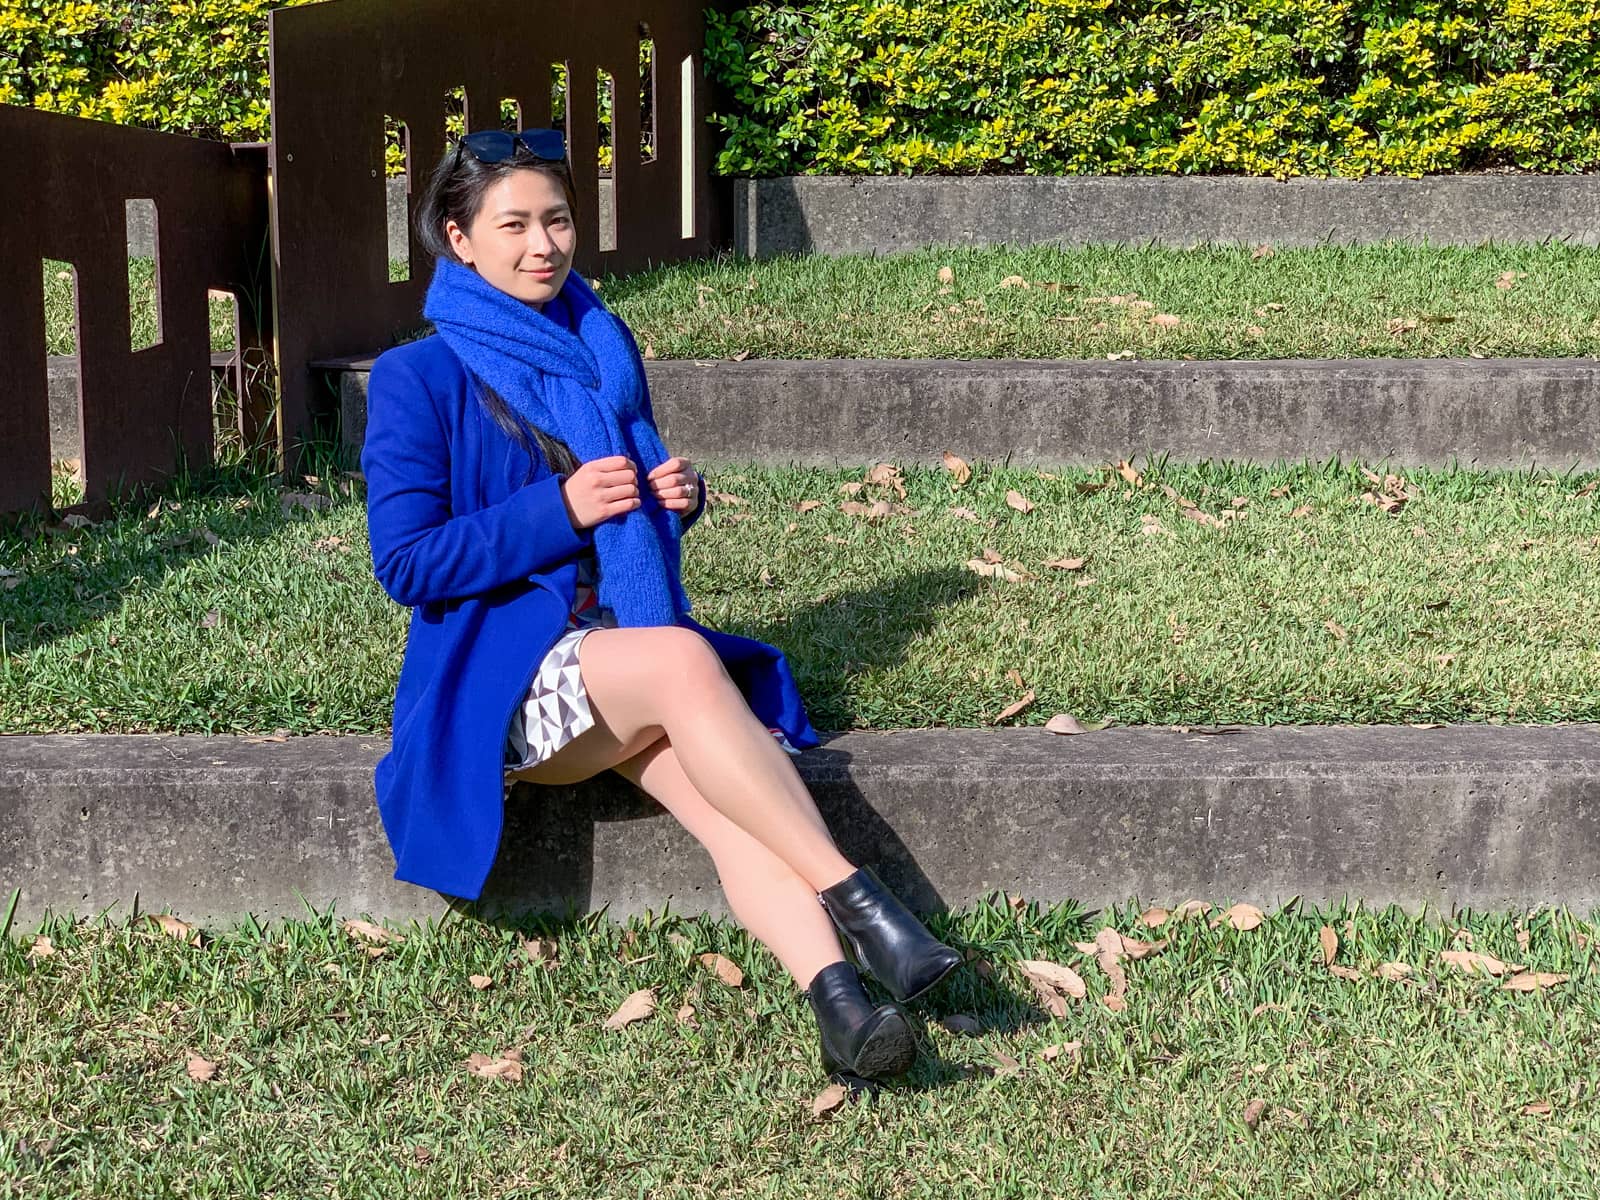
{"x":889,"y":942}
{"x":858,"y":1039}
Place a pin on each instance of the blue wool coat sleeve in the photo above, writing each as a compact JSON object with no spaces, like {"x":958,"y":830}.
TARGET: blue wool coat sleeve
{"x":693,"y":515}
{"x":420,"y":552}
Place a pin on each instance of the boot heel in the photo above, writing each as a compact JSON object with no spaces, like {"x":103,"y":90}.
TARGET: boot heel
{"x":858,"y":1038}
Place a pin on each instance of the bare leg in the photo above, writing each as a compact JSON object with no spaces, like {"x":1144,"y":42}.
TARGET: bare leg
{"x":642,"y":682}
{"x":770,"y":900}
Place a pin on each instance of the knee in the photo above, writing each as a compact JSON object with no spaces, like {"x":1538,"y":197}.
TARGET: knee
{"x":684,"y":656}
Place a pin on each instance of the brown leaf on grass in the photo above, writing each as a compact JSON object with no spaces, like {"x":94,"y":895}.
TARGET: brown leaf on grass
{"x":966,"y":514}
{"x":741,"y":356}
{"x":1152,"y":918}
{"x":1053,"y":983}
{"x":649,"y":352}
{"x":1016,"y":281}
{"x":1330,"y":944}
{"x":1508,"y":279}
{"x":1073,"y":1050}
{"x":1066,"y":723}
{"x":1008,"y":1065}
{"x":946,"y":275}
{"x":806,"y":506}
{"x":366,"y":931}
{"x":480,"y":982}
{"x":1264,"y":250}
{"x":506,"y":1065}
{"x":1111,"y":964}
{"x":1536,"y":1108}
{"x":1166,"y":320}
{"x":978,"y":963}
{"x":1128,"y":473}
{"x":686,"y":1016}
{"x":199,"y":1069}
{"x":886,"y":475}
{"x":1191,"y":908}
{"x":1474,"y":963}
{"x":1532,"y":981}
{"x":1109,"y":941}
{"x":725,"y":969}
{"x":961,"y":1023}
{"x":832,"y":1096}
{"x":174,"y":928}
{"x":1346,"y":973}
{"x":1394,"y":972}
{"x":540,"y":950}
{"x":1305,"y":510}
{"x":1336,"y":629}
{"x":1014,"y":708}
{"x":1018,"y":501}
{"x":42,"y":947}
{"x":209,"y":621}
{"x":995,"y":570}
{"x":1065,"y":564}
{"x":875,"y":511}
{"x":958,"y":467}
{"x":1252,"y":1113}
{"x":1243,"y":917}
{"x":636,"y":1007}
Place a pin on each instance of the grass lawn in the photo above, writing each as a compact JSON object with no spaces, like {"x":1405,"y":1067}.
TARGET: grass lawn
{"x":1386,"y":300}
{"x":218,"y":609}
{"x":1240,"y":1066}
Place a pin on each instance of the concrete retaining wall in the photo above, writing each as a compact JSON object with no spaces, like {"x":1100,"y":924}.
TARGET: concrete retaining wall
{"x":829,"y":214}
{"x":1510,"y":412}
{"x":218,"y":826}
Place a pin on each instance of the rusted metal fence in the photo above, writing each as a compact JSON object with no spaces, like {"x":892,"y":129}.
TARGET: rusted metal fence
{"x":64,"y":190}
{"x":345,"y":75}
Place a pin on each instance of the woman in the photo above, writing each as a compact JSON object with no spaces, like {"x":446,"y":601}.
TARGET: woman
{"x":521,"y":503}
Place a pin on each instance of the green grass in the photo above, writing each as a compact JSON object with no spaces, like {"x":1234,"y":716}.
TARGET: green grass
{"x":344,"y":1075}
{"x":1328,"y":301}
{"x":1472,"y":603}
{"x":61,"y":330}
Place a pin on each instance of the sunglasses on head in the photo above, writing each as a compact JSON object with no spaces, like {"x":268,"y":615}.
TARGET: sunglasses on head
{"x":498,"y":145}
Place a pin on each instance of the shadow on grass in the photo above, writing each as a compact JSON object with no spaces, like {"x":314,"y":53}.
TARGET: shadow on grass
{"x":73,"y":565}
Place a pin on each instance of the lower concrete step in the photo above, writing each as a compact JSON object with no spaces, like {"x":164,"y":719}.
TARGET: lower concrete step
{"x":215,"y":827}
{"x":1429,"y":412}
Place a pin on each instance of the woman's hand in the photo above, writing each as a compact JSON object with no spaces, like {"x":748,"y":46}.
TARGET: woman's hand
{"x":676,"y":484}
{"x":601,"y":489}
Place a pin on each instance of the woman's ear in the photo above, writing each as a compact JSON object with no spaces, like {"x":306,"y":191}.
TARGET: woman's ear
{"x":459,"y":242}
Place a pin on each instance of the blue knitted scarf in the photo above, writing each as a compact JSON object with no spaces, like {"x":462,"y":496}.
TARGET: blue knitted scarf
{"x":573,"y":370}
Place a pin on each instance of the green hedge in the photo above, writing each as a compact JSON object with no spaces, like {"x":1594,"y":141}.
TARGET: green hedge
{"x":1054,"y":87}
{"x":1043,"y":87}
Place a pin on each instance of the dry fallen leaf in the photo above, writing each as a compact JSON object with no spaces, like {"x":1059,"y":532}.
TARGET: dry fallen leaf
{"x":995,"y":570}
{"x":172,"y":927}
{"x":199,"y":1069}
{"x":1191,"y":908}
{"x":1126,"y":470}
{"x":1252,"y":1113}
{"x":1053,"y":982}
{"x":1066,"y":723}
{"x":480,"y":981}
{"x":946,"y":275}
{"x":958,"y":467}
{"x":507,"y":1065}
{"x":540,"y":950}
{"x":1532,"y":981}
{"x":725,"y":969}
{"x":1153,"y":917}
{"x":1013,"y":709}
{"x":636,"y":1007}
{"x":1019,"y":502}
{"x":1330,"y":944}
{"x":42,"y":947}
{"x":806,"y":506}
{"x":1473,"y":963}
{"x":1073,"y":1050}
{"x":1537,"y":1108}
{"x":686,"y":1016}
{"x":1165,"y":320}
{"x":1066,"y":564}
{"x":368,"y":932}
{"x":830,"y":1097}
{"x":1243,"y":917}
{"x":1394,"y":972}
{"x":1342,"y":972}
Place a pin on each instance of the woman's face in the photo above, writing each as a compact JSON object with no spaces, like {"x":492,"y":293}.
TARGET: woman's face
{"x":523,"y":237}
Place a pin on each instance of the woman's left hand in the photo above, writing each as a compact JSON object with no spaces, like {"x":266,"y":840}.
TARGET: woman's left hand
{"x":676,"y":484}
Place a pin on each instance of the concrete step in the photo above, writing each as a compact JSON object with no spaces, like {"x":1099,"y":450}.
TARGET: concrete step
{"x":1496,"y":412}
{"x":214,"y":827}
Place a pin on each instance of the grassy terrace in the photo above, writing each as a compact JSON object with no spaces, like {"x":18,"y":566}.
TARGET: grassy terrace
{"x":1292,"y":598}
{"x":289,"y":1061}
{"x":1391,"y":300}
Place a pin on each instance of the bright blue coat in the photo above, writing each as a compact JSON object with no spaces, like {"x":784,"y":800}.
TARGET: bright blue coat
{"x":488,"y":566}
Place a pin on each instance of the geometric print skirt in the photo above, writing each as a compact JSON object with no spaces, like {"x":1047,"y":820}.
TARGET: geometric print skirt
{"x":556,"y":708}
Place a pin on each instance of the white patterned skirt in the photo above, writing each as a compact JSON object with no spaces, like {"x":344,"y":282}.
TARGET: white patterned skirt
{"x":556,"y":708}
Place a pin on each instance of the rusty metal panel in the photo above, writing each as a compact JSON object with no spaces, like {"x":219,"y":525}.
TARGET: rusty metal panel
{"x":338,"y":69}
{"x":63,"y":196}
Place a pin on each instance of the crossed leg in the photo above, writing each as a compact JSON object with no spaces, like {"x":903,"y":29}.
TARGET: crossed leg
{"x":670,"y":719}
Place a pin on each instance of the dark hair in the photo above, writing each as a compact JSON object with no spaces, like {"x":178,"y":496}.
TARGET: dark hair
{"x":454,"y":192}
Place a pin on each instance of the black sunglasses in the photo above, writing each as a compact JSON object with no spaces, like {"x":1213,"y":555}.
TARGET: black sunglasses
{"x":497,"y":145}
